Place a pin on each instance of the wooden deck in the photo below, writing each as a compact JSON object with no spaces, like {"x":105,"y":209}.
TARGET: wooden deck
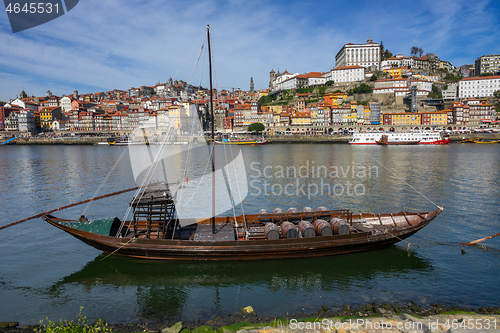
{"x":223,"y":232}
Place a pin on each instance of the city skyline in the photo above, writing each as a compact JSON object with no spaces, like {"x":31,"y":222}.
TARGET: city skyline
{"x":115,"y":45}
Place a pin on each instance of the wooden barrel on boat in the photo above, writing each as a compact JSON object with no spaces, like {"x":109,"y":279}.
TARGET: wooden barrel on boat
{"x":323,"y":209}
{"x":307,"y":229}
{"x":271,"y":231}
{"x":266,"y":218}
{"x":339,"y":226}
{"x":293,"y":218}
{"x":278,"y":211}
{"x":308,"y":210}
{"x":289,"y":230}
{"x":322,"y":227}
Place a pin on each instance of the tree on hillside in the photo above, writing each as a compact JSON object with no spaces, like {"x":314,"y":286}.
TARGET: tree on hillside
{"x":416,"y":51}
{"x":384,"y":54}
{"x":497,"y":94}
{"x":256,"y":127}
{"x":363,"y":88}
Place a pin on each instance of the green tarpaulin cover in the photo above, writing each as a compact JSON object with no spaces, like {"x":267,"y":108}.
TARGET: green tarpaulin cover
{"x":101,"y":227}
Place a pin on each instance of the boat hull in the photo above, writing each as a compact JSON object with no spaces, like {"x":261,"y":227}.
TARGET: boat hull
{"x":380,"y":236}
{"x":241,"y":143}
{"x":478,"y":141}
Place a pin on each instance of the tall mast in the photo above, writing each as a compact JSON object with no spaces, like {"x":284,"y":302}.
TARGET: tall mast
{"x":212,"y":124}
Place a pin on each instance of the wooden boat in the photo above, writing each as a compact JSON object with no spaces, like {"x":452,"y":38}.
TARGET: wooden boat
{"x":384,"y":141}
{"x":235,"y":139}
{"x":163,"y":227}
{"x":241,"y":142}
{"x":480,"y":141}
{"x":154,"y":232}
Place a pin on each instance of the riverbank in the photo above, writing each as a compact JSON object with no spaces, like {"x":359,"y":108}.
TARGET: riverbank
{"x":368,"y":318}
{"x":273,"y":139}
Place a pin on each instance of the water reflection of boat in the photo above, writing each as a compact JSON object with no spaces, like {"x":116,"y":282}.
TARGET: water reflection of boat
{"x":170,"y":288}
{"x":120,"y":271}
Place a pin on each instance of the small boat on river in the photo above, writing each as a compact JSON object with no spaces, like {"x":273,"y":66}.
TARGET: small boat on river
{"x":155,"y":233}
{"x":484,"y":141}
{"x":423,"y":138}
{"x":237,"y":140}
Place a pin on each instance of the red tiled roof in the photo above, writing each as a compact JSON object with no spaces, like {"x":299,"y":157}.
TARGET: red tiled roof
{"x":347,"y":67}
{"x":480,"y":78}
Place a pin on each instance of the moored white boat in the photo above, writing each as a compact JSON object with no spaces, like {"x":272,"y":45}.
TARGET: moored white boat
{"x":423,"y":138}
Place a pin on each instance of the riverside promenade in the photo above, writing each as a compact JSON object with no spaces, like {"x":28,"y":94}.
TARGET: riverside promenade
{"x":273,"y":139}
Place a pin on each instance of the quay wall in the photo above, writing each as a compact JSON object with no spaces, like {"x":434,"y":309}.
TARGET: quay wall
{"x":273,"y":139}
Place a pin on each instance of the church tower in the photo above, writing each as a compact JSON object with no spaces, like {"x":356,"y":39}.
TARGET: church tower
{"x":251,"y":84}
{"x":272,"y":77}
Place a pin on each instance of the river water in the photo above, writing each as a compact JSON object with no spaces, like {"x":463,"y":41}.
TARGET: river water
{"x":45,"y":272}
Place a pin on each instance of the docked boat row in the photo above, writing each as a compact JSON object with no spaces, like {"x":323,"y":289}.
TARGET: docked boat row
{"x":398,"y":138}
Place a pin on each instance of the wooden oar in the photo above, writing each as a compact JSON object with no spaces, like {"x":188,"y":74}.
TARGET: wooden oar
{"x":71,"y":205}
{"x":481,"y":240}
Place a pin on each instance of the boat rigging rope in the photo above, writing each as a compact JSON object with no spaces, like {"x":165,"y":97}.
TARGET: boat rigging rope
{"x":235,"y":173}
{"x":188,"y":157}
{"x":146,"y":179}
{"x":201,"y":36}
{"x":103,"y":182}
{"x":395,"y":175}
{"x":239,"y":52}
{"x":226,"y":176}
{"x":110,"y":254}
{"x":386,"y":231}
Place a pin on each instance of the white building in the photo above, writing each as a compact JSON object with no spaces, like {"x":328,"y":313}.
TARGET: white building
{"x":277,"y":84}
{"x":26,"y":120}
{"x":397,"y":61}
{"x":366,"y":55}
{"x":451,"y":93}
{"x":345,"y":74}
{"x":65,"y":104}
{"x":401,"y":87}
{"x":303,"y":80}
{"x":487,"y":64}
{"x":163,"y":119}
{"x":483,"y":86}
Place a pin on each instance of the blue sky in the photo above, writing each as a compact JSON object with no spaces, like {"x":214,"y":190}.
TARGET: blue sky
{"x":102,"y":45}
